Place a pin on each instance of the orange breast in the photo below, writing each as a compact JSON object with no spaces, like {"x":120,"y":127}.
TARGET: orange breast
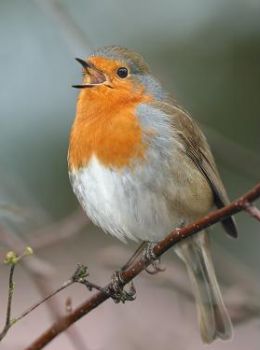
{"x":106,"y":126}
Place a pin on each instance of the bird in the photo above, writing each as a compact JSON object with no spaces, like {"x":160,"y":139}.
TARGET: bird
{"x":141,"y":166}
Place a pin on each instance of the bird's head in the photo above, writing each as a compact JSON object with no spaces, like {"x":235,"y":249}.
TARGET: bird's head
{"x":116,"y":81}
{"x":116,"y":70}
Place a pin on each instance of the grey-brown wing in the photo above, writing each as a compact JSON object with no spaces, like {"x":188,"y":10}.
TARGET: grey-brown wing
{"x":199,"y":151}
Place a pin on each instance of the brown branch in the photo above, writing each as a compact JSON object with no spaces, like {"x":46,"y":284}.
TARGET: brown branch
{"x":43,"y":285}
{"x":159,"y":249}
{"x":241,"y":298}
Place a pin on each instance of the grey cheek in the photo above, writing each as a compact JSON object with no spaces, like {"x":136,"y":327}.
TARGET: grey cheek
{"x":152,"y":86}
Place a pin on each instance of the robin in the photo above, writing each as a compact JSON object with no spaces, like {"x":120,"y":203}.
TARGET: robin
{"x":140,"y":166}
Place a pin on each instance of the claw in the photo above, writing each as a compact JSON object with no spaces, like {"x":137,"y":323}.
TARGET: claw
{"x":155,"y":265}
{"x":117,"y":292}
{"x":148,"y":252}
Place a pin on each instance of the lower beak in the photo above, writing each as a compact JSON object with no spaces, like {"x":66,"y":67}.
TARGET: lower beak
{"x":93,"y":76}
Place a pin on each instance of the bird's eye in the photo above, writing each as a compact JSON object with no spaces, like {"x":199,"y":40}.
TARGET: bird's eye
{"x":122,"y":72}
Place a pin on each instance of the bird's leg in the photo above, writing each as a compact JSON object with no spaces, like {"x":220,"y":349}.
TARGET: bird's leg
{"x":155,"y":265}
{"x":136,"y":254}
{"x":146,"y":248}
{"x":118,"y":292}
{"x":156,"y":262}
{"x":116,"y":289}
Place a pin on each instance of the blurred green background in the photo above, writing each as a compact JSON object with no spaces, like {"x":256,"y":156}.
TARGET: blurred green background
{"x":207,"y":53}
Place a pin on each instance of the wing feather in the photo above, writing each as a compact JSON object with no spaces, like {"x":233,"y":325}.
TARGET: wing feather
{"x":198,"y":150}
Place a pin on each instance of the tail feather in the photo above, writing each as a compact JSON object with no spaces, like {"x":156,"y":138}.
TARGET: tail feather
{"x":213,"y":317}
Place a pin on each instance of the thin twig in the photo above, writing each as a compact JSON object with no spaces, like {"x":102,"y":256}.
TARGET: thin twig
{"x":79,"y":275}
{"x":38,"y":269}
{"x":33,"y":307}
{"x":42,"y":283}
{"x":10,"y":295}
{"x":8,"y":321}
{"x":126,"y":276}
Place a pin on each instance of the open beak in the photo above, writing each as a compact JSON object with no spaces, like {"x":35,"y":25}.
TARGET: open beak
{"x":93,"y":75}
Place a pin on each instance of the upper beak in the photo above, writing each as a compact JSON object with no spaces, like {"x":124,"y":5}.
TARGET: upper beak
{"x":93,"y":75}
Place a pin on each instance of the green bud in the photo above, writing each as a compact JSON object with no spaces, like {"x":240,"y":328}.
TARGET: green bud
{"x":11,"y":258}
{"x":28,"y":251}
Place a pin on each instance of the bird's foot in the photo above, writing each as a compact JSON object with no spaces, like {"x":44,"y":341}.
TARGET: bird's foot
{"x":115,"y":289}
{"x":117,"y":292}
{"x":155,"y":265}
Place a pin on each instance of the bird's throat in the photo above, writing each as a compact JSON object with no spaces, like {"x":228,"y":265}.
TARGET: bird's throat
{"x":106,"y":126}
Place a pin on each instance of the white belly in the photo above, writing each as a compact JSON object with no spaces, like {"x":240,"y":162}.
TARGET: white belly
{"x":125,"y":203}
